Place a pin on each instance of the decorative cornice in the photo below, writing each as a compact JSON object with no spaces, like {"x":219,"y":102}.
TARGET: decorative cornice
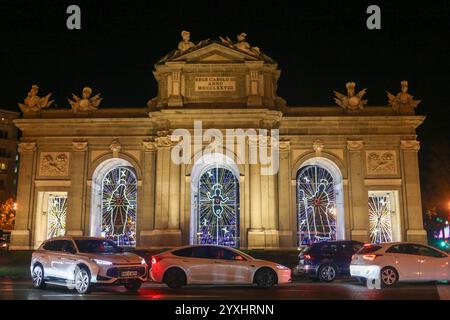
{"x":27,"y":147}
{"x":410,"y":145}
{"x":355,"y":145}
{"x":79,"y":146}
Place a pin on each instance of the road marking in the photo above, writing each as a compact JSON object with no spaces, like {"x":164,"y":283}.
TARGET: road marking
{"x":444,"y":292}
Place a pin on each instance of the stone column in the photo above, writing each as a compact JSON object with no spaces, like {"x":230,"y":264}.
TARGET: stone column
{"x":358,"y":193}
{"x":284,"y":206}
{"x":411,"y":190}
{"x":20,"y":236}
{"x":146,"y":222}
{"x":174,"y":204}
{"x":76,"y":195}
{"x":256,"y":232}
{"x":175,"y":83}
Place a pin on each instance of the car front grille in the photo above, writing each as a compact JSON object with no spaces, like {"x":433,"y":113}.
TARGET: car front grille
{"x":116,"y":272}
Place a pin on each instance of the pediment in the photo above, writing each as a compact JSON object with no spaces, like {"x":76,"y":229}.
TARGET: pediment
{"x":214,"y":52}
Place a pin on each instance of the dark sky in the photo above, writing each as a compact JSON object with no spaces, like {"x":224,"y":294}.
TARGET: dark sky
{"x":319,"y":45}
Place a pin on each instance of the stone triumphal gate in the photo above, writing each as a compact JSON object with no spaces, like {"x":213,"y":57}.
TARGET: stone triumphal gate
{"x":347,"y":171}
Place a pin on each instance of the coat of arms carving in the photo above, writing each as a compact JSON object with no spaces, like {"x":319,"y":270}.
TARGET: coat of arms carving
{"x":54,"y":164}
{"x":381,"y":162}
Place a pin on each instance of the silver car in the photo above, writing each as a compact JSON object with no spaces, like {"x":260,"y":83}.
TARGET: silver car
{"x":80,"y":262}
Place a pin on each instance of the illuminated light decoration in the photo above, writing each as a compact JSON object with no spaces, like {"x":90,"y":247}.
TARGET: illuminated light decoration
{"x":56,"y":216}
{"x":380,"y":218}
{"x":119,"y":194}
{"x":218,"y":208}
{"x":316,"y":212}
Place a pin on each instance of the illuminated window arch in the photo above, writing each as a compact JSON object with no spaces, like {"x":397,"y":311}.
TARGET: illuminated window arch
{"x":215,"y":201}
{"x":114,"y":202}
{"x":319,"y":202}
{"x":119,"y":191}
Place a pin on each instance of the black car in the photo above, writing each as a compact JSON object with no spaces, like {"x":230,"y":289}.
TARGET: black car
{"x":326,"y":260}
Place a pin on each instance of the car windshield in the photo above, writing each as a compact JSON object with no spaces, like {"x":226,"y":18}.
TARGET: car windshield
{"x":97,"y":246}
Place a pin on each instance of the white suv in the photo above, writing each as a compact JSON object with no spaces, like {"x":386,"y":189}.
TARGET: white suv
{"x":79,"y":262}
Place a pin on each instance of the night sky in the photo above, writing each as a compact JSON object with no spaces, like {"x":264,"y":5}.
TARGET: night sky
{"x":319,"y":45}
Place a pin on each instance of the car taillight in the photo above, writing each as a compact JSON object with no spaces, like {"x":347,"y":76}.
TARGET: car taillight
{"x":307,"y":257}
{"x":370,"y":257}
{"x":155,"y":260}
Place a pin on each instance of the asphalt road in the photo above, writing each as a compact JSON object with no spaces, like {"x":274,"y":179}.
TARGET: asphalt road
{"x":303,"y":290}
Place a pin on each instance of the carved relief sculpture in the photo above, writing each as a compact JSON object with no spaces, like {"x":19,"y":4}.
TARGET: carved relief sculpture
{"x":318,"y":146}
{"x":34,"y":103}
{"x":54,"y":164}
{"x":85,"y":103}
{"x":381,"y":162}
{"x":351,"y":101}
{"x":403,"y":99}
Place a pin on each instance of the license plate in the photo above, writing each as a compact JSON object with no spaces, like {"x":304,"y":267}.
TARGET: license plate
{"x":128,"y":274}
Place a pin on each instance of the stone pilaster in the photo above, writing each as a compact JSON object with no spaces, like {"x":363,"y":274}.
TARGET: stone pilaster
{"x":411,"y":188}
{"x":286,"y":235}
{"x":358,"y":194}
{"x":21,"y":236}
{"x":76,"y":196}
{"x":147,"y":218}
{"x":162,"y":235}
{"x":256,"y":232}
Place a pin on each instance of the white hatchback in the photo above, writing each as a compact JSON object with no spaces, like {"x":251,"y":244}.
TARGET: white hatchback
{"x":393,"y":262}
{"x":211,"y":264}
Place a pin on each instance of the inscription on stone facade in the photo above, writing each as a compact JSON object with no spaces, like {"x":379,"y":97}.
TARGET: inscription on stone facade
{"x":54,"y":164}
{"x":215,"y":84}
{"x":381,"y":162}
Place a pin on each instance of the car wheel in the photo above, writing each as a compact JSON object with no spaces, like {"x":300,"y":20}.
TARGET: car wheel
{"x":38,"y":277}
{"x":327,"y":273}
{"x":134,"y":285}
{"x":389,"y":277}
{"x":82,"y":281}
{"x":266,"y":278}
{"x":175,"y":278}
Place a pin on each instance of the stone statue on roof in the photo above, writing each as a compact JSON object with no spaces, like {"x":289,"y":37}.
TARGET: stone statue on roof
{"x":351,"y":101}
{"x":403,"y":99}
{"x":85,"y":103}
{"x":241,"y":44}
{"x":186,"y":43}
{"x":34,"y":103}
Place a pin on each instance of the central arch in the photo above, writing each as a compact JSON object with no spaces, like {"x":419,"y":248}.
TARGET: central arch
{"x":215,"y":209}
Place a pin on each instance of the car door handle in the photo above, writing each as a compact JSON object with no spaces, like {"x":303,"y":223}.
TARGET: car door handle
{"x":186,"y":261}
{"x":218,"y":262}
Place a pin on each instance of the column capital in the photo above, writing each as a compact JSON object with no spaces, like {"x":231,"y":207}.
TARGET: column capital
{"x":79,"y":146}
{"x":27,"y":147}
{"x":149,"y":145}
{"x":285,"y":145}
{"x":410,"y":145}
{"x":355,"y":145}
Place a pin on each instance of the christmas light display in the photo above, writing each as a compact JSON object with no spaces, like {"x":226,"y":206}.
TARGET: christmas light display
{"x":56,"y":216}
{"x":218,"y":208}
{"x":380,"y":218}
{"x":119,"y":193}
{"x":315,"y":205}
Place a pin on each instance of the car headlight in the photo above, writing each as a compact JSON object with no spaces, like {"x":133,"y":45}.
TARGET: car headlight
{"x":143,"y":261}
{"x":281,"y":267}
{"x":102,"y":262}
